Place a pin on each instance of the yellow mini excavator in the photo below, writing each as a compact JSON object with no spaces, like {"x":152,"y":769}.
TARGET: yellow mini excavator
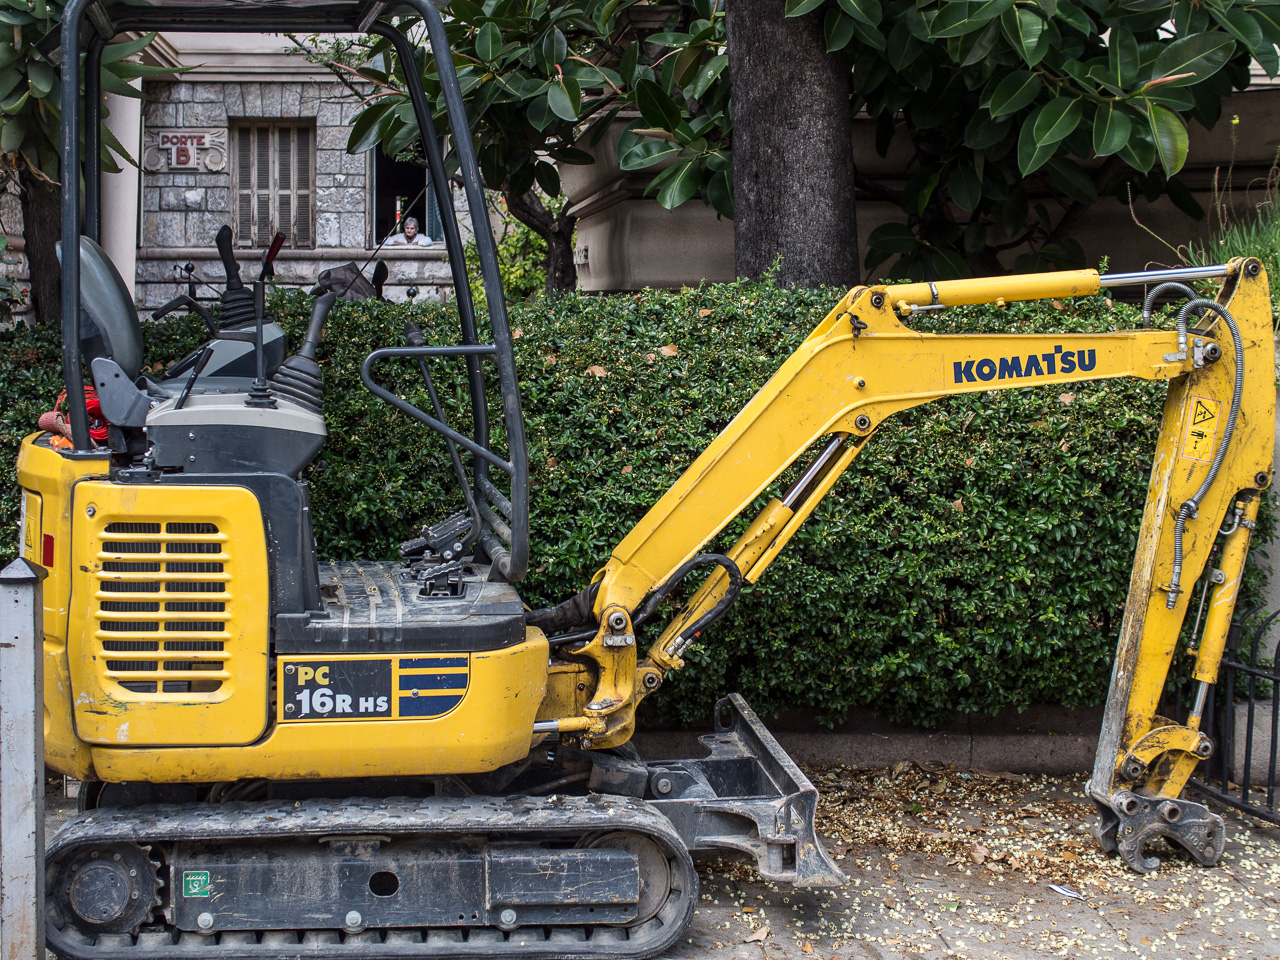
{"x":284,"y":758}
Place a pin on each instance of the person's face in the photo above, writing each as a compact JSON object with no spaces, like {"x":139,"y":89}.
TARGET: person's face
{"x":410,"y":229}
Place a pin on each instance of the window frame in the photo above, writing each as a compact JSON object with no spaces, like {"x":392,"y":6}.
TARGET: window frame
{"x":251,"y":201}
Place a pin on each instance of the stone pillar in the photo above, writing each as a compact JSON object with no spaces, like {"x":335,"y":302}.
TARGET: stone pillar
{"x":120,"y":190}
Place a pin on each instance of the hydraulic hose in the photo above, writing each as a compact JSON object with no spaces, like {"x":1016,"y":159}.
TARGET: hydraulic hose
{"x":1148,"y":306}
{"x":1192,"y":506}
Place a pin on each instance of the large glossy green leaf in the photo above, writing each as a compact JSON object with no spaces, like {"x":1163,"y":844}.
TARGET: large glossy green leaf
{"x":893,"y":238}
{"x":1014,"y":92}
{"x":555,"y":47}
{"x":12,"y":132}
{"x":658,"y":109}
{"x":720,"y":194}
{"x":1056,"y":120}
{"x":1139,"y":150}
{"x":1026,"y":30}
{"x":488,"y":42}
{"x":953,"y":20}
{"x":965,"y":188}
{"x":1032,"y":155}
{"x":1201,"y":55}
{"x":707,"y":75}
{"x":680,"y":186}
{"x":1171,"y":138}
{"x":1111,"y":126}
{"x":364,"y":131}
{"x":1241,"y":25}
{"x":798,"y":8}
{"x":1123,"y":59}
{"x":637,"y":153}
{"x":867,"y":11}
{"x":565,"y":99}
{"x":947,"y":264}
{"x":838,"y":29}
{"x":1073,"y":16}
{"x":904,"y":48}
{"x":41,"y":78}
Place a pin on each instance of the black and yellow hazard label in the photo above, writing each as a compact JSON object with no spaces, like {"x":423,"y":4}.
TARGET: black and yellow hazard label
{"x":1201,"y":434}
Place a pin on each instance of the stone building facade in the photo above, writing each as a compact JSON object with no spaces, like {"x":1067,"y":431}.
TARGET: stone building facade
{"x":265,"y":135}
{"x":246,"y":134}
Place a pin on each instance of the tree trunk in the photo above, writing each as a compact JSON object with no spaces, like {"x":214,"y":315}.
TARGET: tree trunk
{"x":793,"y":167}
{"x":556,"y":229}
{"x":41,"y":229}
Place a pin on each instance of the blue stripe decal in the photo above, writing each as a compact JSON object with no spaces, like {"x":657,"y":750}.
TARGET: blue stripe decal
{"x":432,"y":663}
{"x":433,"y":681}
{"x":427,"y":706}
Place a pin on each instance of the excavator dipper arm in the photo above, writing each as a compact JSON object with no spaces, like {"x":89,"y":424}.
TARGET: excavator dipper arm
{"x":861,"y":365}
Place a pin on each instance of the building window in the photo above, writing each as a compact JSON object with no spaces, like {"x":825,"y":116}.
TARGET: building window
{"x":398,"y":193}
{"x":274,"y":183}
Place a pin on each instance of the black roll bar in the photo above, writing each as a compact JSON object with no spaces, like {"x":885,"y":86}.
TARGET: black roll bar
{"x":111,"y":17}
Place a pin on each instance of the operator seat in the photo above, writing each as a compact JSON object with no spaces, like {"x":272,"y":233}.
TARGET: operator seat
{"x":109,"y":327}
{"x":109,"y":324}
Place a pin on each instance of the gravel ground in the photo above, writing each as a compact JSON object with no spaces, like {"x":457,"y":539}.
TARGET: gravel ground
{"x":947,"y":863}
{"x":959,"y":863}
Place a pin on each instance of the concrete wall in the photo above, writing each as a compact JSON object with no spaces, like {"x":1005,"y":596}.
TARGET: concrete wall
{"x":619,"y":227}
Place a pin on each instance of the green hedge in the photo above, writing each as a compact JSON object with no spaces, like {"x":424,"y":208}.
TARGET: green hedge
{"x":975,"y":557}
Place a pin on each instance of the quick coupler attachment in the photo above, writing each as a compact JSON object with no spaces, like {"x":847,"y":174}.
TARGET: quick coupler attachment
{"x":1130,"y":820}
{"x":748,"y":796}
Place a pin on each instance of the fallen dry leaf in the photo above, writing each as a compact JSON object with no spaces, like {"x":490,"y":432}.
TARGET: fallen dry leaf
{"x":994,"y":775}
{"x":552,"y":463}
{"x":704,"y":312}
{"x":650,"y":357}
{"x":1066,"y":399}
{"x":901,"y":767}
{"x":627,"y":468}
{"x":959,"y":505}
{"x":597,"y":371}
{"x":758,"y":935}
{"x":805,"y":947}
{"x":1059,"y":305}
{"x":670,"y":350}
{"x":979,"y":853}
{"x":517,"y":333}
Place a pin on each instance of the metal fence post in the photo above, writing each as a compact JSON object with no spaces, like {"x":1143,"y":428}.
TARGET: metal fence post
{"x":21,"y":762}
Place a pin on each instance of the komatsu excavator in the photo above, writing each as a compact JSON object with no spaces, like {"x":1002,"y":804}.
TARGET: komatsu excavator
{"x":287,"y":758}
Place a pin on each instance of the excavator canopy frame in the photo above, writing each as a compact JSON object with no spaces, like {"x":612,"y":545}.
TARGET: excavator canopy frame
{"x":88,"y":25}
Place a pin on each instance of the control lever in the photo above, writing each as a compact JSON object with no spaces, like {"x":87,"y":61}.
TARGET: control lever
{"x":298,"y":378}
{"x":269,"y":257}
{"x":260,"y":392}
{"x":185,"y":300}
{"x":237,"y":300}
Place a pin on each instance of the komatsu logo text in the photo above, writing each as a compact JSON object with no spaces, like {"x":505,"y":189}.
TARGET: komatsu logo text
{"x":1033,"y":365}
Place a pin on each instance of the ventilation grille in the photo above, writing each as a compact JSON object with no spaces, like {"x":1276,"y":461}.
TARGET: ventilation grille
{"x":161,"y":623}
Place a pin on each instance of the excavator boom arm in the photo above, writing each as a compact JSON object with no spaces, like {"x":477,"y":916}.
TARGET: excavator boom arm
{"x":861,"y":365}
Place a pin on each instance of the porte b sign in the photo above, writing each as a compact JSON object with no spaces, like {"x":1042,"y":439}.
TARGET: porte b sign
{"x":184,"y":148}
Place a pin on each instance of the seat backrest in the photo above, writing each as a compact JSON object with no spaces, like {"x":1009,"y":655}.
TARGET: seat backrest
{"x":108,"y":320}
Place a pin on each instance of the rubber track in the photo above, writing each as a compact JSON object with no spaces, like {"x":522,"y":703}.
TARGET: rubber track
{"x":523,"y":817}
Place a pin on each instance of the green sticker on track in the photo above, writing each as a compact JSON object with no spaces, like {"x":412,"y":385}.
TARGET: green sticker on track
{"x":195,"y":883}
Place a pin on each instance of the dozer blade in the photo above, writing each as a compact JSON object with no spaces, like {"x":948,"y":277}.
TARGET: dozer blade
{"x":749,"y":796}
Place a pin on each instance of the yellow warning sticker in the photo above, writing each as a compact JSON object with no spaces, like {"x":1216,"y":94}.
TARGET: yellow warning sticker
{"x":1202,"y":430}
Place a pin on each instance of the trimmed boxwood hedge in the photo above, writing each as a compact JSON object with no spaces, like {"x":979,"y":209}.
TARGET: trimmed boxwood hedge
{"x":975,"y":557}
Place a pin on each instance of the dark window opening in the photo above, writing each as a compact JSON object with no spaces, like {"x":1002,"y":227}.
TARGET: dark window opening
{"x":397,"y":193}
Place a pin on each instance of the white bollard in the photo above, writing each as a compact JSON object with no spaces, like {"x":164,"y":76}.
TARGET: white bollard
{"x":21,"y":762}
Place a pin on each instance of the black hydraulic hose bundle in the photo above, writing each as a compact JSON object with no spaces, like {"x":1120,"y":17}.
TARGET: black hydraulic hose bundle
{"x":576,"y":613}
{"x":1191,"y":508}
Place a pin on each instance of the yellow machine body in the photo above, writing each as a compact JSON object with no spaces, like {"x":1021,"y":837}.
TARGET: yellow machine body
{"x":152,"y":586}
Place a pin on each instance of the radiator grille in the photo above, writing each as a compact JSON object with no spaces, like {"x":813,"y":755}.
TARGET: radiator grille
{"x":184,"y":646}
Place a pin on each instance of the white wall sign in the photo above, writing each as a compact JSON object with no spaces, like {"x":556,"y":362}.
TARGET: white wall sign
{"x":184,"y":148}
